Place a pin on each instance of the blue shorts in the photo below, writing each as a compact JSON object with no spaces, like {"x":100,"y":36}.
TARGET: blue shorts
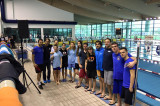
{"x":117,"y":86}
{"x":70,"y":66}
{"x":57,"y":68}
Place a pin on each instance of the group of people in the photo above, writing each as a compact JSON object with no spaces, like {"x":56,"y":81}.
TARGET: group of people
{"x":114,"y":67}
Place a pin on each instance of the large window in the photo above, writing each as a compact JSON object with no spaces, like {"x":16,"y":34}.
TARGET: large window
{"x":130,"y":30}
{"x":59,"y":32}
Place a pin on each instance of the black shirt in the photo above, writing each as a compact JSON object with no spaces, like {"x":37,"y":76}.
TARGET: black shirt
{"x":65,"y":56}
{"x":107,"y":59}
{"x":83,"y":56}
{"x":47,"y":50}
{"x":91,"y":63}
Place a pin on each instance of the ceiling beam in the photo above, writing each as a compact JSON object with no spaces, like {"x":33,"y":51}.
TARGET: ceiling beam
{"x":152,"y":1}
{"x":80,"y":11}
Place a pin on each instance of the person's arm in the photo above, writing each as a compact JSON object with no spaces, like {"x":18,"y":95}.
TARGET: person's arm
{"x":132,"y":78}
{"x":61,"y":63}
{"x":131,"y":64}
{"x":86,"y":65}
{"x":80,"y":66}
{"x":33,"y":55}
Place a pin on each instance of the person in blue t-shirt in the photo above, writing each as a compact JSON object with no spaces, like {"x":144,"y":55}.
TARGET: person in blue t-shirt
{"x":118,"y":67}
{"x":99,"y":62}
{"x":128,"y":78}
{"x":57,"y":64}
{"x":71,"y":60}
{"x":37,"y":59}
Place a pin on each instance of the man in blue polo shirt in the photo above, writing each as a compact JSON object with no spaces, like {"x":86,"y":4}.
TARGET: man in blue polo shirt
{"x":128,"y":78}
{"x":37,"y":59}
{"x":118,"y":68}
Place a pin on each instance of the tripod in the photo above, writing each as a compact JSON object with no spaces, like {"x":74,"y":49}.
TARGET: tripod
{"x":25,"y":73}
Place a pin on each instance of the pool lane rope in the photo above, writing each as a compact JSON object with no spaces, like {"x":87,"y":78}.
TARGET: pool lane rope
{"x":149,"y":71}
{"x":148,"y":95}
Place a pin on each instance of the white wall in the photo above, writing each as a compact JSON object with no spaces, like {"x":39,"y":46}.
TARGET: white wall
{"x":36,"y":10}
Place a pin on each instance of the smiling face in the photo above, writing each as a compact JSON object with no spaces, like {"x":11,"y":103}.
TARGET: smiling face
{"x":40,"y":43}
{"x":79,"y":44}
{"x":107,"y":43}
{"x":64,"y":46}
{"x":98,"y":45}
{"x":85,"y":46}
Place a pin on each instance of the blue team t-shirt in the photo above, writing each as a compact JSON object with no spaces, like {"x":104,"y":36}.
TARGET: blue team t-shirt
{"x":71,"y":56}
{"x":118,"y":66}
{"x":126,"y":73}
{"x":57,"y":59}
{"x":38,"y":52}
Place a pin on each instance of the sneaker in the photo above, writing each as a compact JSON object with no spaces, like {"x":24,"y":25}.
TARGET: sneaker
{"x":48,"y":81}
{"x":45,"y":81}
{"x":40,"y":86}
{"x":42,"y":83}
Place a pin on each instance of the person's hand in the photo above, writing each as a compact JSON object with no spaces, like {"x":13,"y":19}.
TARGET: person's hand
{"x":80,"y":66}
{"x":130,"y":89}
{"x":86,"y":70}
{"x":60,"y":66}
{"x":130,"y":64}
{"x":35,"y":65}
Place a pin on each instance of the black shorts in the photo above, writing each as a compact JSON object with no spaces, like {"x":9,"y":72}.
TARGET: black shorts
{"x":127,"y":95}
{"x":102,"y":74}
{"x":76,"y":66}
{"x":64,"y":65}
{"x":40,"y":68}
{"x":91,"y":74}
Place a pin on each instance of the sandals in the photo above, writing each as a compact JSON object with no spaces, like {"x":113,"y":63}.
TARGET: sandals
{"x":102,"y":96}
{"x":86,"y":87}
{"x":77,"y":86}
{"x":98,"y":93}
{"x":92,"y":92}
{"x":106,"y":98}
{"x":70,"y":81}
{"x":112,"y":103}
{"x":88,"y":90}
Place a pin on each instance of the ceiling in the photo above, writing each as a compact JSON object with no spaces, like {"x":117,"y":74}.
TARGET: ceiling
{"x":104,"y":11}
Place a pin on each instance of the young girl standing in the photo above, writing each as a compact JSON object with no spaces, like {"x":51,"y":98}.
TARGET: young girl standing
{"x":90,"y":65}
{"x":71,"y":60}
{"x":57,"y":64}
{"x":79,"y":48}
{"x":63,"y":50}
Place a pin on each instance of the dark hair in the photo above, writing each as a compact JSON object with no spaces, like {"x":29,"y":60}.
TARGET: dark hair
{"x":63,"y":44}
{"x":124,"y":49}
{"x":56,"y":45}
{"x":40,"y":40}
{"x":108,"y":39}
{"x":114,"y":43}
{"x":48,"y":39}
{"x":85,"y":44}
{"x":90,"y":47}
{"x":79,"y":48}
{"x":98,"y":41}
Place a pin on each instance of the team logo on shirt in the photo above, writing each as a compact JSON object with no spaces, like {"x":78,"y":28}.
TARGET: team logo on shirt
{"x":118,"y":57}
{"x":125,"y":65}
{"x":90,"y":59}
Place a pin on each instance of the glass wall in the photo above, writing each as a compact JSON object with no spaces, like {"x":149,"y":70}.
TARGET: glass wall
{"x":59,"y":32}
{"x":130,"y":30}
